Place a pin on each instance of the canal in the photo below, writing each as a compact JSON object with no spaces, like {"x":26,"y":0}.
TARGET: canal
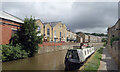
{"x":46,"y":61}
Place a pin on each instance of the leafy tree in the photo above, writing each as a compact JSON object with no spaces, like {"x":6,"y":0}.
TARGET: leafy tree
{"x":27,"y":36}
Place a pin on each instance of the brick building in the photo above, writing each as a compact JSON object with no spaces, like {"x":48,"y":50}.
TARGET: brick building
{"x":8,"y":25}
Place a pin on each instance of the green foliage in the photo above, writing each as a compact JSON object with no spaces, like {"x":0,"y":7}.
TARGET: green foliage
{"x":114,"y":39}
{"x":10,"y":52}
{"x":23,"y":43}
{"x":27,"y":37}
{"x":104,"y":44}
{"x":96,"y":34}
{"x":105,"y":41}
{"x":93,"y":64}
{"x":14,"y":39}
{"x":88,"y":47}
{"x":0,"y":53}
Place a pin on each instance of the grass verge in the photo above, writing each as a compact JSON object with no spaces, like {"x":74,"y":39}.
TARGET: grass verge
{"x":93,"y":64}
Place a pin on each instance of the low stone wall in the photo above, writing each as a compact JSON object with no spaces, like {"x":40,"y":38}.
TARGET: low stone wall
{"x":46,"y":49}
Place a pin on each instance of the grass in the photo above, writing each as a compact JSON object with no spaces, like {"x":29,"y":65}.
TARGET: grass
{"x":93,"y":64}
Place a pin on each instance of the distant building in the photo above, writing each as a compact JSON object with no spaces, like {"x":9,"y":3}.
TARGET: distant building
{"x":71,"y":36}
{"x":84,"y":36}
{"x":79,"y":39}
{"x":8,"y":26}
{"x":93,"y":38}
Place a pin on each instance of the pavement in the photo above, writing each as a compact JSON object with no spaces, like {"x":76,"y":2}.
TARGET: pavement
{"x":107,"y":62}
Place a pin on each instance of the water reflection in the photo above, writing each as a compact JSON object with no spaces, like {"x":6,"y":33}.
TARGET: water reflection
{"x":47,"y":61}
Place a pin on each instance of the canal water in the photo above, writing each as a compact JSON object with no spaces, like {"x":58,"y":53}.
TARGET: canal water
{"x":47,"y":61}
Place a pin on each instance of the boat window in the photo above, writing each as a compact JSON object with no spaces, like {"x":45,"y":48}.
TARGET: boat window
{"x":75,"y":55}
{"x":72,"y":54}
{"x":88,"y":51}
{"x":85,"y":52}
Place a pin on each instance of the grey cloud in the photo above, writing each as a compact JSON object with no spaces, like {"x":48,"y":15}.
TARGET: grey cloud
{"x":92,"y":15}
{"x":78,"y":16}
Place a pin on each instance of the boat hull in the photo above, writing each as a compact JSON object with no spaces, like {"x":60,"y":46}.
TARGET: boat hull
{"x":72,"y":64}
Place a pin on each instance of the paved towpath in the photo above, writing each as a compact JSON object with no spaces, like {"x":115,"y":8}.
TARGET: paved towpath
{"x":107,"y":63}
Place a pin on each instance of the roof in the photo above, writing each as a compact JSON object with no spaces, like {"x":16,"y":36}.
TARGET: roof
{"x":52,"y":24}
{"x":8,"y":16}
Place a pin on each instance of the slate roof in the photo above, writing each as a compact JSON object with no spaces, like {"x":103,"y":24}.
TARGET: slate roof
{"x":52,"y":24}
{"x":8,"y":16}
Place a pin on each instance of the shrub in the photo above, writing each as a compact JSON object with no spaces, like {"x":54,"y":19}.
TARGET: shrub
{"x":114,"y":39}
{"x":10,"y":52}
{"x":0,"y":53}
{"x":27,"y":37}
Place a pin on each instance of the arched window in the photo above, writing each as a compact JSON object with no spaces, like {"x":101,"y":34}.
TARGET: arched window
{"x":55,"y":33}
{"x":48,"y":32}
{"x":38,"y":28}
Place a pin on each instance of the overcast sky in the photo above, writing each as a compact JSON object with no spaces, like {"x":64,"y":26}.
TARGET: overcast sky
{"x":78,"y":16}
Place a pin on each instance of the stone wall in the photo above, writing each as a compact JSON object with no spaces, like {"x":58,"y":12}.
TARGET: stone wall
{"x":114,"y":32}
{"x":114,"y":51}
{"x":46,"y":49}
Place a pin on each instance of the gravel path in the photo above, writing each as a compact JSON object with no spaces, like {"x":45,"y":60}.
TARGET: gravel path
{"x":107,"y":63}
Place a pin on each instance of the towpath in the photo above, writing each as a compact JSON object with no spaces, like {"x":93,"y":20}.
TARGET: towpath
{"x":107,"y":63}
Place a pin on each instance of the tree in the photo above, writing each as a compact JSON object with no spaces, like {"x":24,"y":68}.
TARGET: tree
{"x":27,"y":36}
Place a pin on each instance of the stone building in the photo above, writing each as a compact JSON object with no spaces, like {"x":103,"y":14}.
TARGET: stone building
{"x":114,"y":45}
{"x":64,"y":33}
{"x":84,"y":36}
{"x":40,"y":27}
{"x":47,"y":32}
{"x":71,"y":36}
{"x":58,"y":31}
{"x":79,"y":39}
{"x":55,"y":32}
{"x":68,"y":35}
{"x":93,"y":38}
{"x":8,"y":26}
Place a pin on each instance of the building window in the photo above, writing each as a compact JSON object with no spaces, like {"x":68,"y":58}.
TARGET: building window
{"x":60,"y":26}
{"x":60,"y":36}
{"x":88,"y":51}
{"x":113,"y":36}
{"x":64,"y":35}
{"x":48,"y":32}
{"x":55,"y":33}
{"x":38,"y":28}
